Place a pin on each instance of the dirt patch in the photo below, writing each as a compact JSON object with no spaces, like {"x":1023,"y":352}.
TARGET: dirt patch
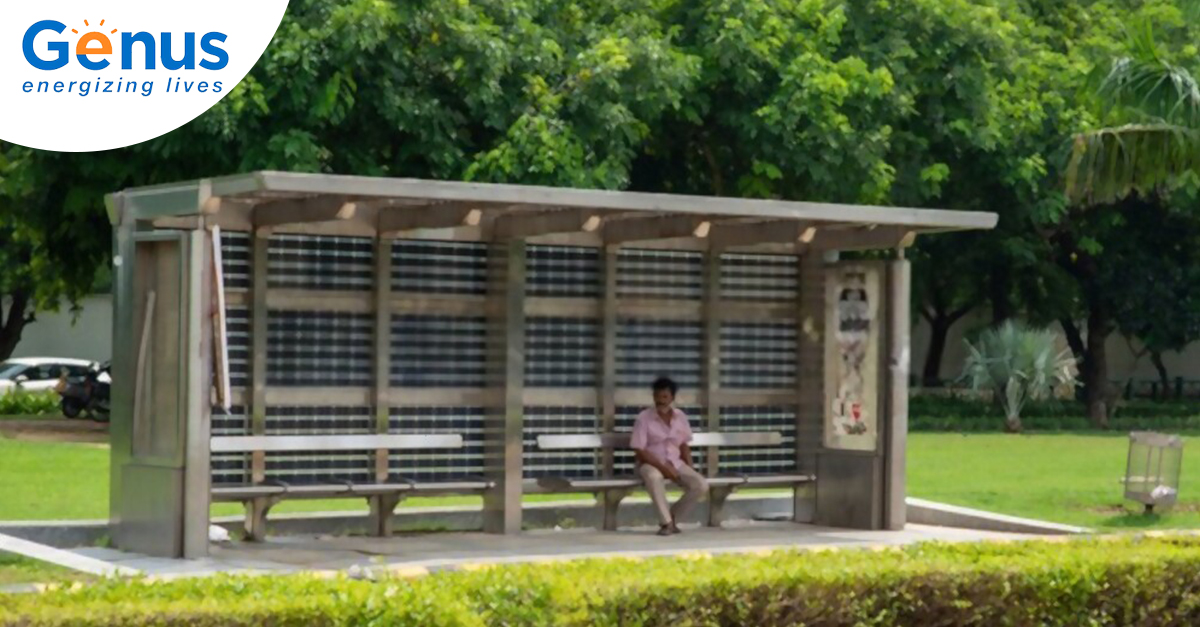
{"x":51,"y":430}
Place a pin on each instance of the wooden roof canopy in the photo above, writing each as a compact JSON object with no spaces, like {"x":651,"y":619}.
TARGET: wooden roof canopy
{"x":328,"y":204}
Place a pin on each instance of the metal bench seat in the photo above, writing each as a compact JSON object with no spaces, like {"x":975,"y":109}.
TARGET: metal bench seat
{"x":466,"y":485}
{"x":778,"y":480}
{"x":610,"y":491}
{"x":566,"y":484}
{"x":594,"y":484}
{"x":375,"y":489}
{"x":383,"y":496}
{"x":239,"y":493}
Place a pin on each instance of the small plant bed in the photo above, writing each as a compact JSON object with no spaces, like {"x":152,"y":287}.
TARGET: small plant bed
{"x":24,"y":405}
{"x":956,"y":413}
{"x":1132,"y":581}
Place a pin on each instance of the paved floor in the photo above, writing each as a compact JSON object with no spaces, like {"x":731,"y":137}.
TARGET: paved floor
{"x":417,"y":553}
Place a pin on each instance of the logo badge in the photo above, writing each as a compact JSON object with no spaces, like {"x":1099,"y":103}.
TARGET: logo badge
{"x":81,"y":76}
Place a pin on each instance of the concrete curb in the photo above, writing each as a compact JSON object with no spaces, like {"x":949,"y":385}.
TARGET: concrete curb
{"x":567,"y":514}
{"x":923,"y":512}
{"x":59,"y":557}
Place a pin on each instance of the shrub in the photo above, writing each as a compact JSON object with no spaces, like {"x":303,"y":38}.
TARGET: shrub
{"x":956,"y":413}
{"x":1092,"y":581}
{"x":24,"y":403}
{"x":1018,"y":364}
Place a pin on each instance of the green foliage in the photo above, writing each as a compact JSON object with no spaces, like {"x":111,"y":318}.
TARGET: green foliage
{"x":25,"y":403}
{"x":1129,"y":581}
{"x":1018,"y":364}
{"x":1155,"y":289}
{"x":15,"y":569}
{"x":1154,"y":103}
{"x":954,"y":414}
{"x":941,"y":103}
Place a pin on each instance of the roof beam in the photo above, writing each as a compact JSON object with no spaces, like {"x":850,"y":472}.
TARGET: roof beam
{"x":302,"y":210}
{"x":547,"y":222}
{"x":658,"y":227}
{"x":397,"y":220}
{"x":866,"y":238}
{"x":736,"y":234}
{"x":616,"y":201}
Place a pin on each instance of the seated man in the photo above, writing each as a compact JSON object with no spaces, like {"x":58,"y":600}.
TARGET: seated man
{"x":660,"y":443}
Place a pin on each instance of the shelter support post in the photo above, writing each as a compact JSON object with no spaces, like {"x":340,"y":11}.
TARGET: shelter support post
{"x":504,"y":422}
{"x":382,"y":506}
{"x":259,"y":316}
{"x":608,"y":500}
{"x":711,"y":314}
{"x":896,"y":402}
{"x":160,"y":413}
{"x":861,"y":472}
{"x":810,"y":366}
{"x":608,"y":360}
{"x":123,"y":360}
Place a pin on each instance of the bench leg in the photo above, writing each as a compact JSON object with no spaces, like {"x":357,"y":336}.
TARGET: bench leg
{"x":609,"y":501}
{"x":716,"y":504}
{"x":256,"y":517}
{"x":382,"y":508}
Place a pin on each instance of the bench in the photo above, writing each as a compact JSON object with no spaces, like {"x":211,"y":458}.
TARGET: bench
{"x":610,"y":491}
{"x":259,"y":498}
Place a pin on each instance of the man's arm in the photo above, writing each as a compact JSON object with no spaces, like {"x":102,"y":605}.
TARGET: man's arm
{"x":646,"y":458}
{"x":685,"y":453}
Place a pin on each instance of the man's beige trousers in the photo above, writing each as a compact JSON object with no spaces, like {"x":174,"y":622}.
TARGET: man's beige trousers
{"x":695,"y":488}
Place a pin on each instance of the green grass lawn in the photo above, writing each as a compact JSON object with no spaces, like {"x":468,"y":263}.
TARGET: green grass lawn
{"x":1069,"y":478}
{"x":15,"y":569}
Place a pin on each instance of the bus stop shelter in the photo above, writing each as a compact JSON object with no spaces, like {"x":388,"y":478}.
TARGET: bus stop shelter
{"x":281,"y":335}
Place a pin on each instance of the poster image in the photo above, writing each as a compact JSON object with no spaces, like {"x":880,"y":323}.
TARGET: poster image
{"x":852,"y":356}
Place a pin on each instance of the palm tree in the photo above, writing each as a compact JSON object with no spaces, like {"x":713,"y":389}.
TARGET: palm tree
{"x":1018,"y":364}
{"x":1157,"y":139}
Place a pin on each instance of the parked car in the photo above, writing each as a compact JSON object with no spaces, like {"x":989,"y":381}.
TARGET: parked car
{"x":37,"y":374}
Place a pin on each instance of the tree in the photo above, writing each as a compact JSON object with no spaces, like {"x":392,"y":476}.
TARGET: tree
{"x":533,"y":92}
{"x":942,"y":296}
{"x":1155,"y":104}
{"x":52,"y":241}
{"x":1142,"y":137}
{"x":1156,"y":288}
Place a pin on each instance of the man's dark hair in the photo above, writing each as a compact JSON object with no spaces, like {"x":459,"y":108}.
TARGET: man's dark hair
{"x":665,"y":383}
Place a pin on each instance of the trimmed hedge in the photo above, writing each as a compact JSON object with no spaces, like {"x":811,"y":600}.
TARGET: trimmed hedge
{"x":1081,"y":582}
{"x":22,"y":403}
{"x":934,"y":413}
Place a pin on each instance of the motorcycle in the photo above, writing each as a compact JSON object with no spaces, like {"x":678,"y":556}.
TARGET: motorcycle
{"x":88,"y":393}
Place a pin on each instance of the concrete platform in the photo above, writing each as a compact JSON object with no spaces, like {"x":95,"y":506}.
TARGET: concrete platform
{"x":428,"y":552}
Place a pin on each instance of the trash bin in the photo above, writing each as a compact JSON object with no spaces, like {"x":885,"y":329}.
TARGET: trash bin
{"x":1152,"y":470}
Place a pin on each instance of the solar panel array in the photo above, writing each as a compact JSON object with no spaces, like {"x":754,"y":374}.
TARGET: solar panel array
{"x":434,"y":348}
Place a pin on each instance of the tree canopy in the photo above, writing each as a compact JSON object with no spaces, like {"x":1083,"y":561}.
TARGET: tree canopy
{"x":962,"y":104}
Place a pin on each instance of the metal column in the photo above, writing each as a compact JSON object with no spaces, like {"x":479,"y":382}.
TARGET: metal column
{"x":895,"y":427}
{"x":711,"y":374}
{"x":504,"y":424}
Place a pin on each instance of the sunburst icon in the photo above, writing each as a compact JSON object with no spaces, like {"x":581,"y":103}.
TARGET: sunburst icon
{"x":94,"y":42}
